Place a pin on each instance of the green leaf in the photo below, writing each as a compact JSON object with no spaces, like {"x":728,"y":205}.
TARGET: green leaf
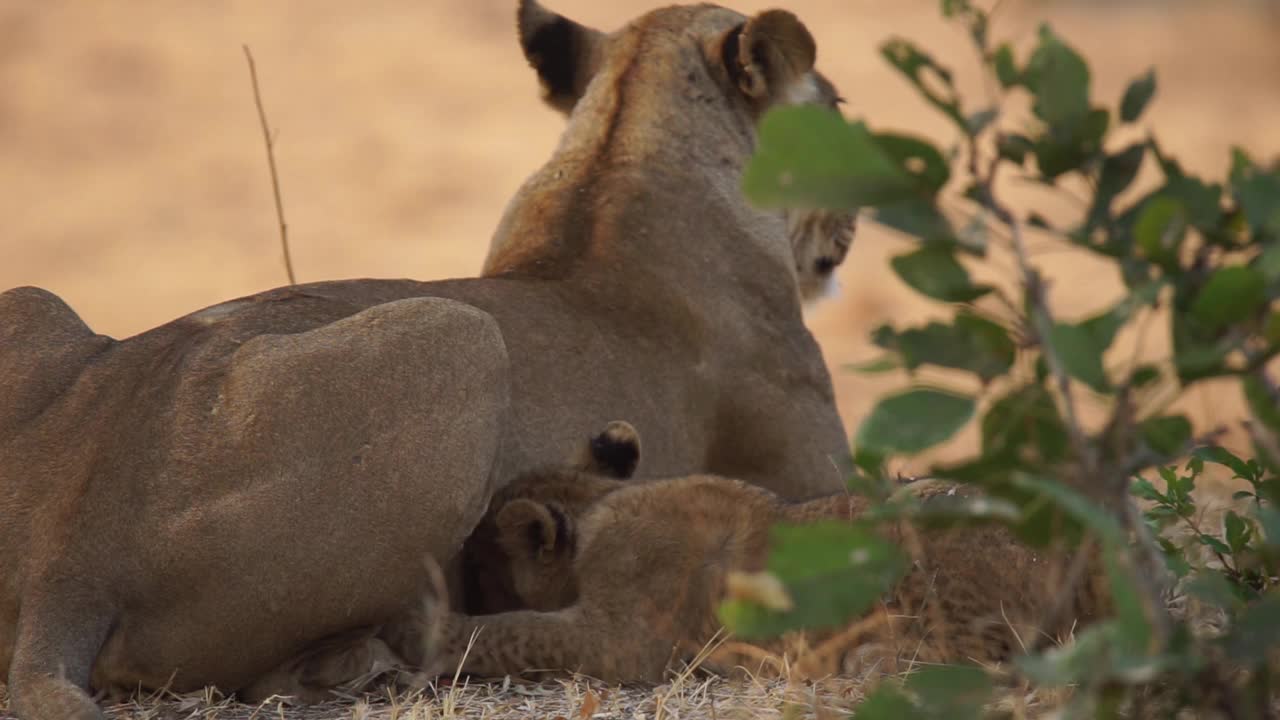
{"x":1102,"y":328}
{"x":1072,"y":663}
{"x":1269,"y":519}
{"x":1166,"y":435}
{"x":1161,"y":513}
{"x":914,"y":420}
{"x":1051,"y":513}
{"x":1195,"y":362}
{"x":1238,"y":531}
{"x":1025,"y":426}
{"x":935,"y":272}
{"x":809,"y":157}
{"x":979,"y":121}
{"x":1038,"y":221}
{"x":920,"y":218}
{"x":1231,"y":295}
{"x":925,"y":74}
{"x":1059,"y":79}
{"x":1136,"y":97}
{"x":1160,"y":230}
{"x":1174,"y":559}
{"x":991,"y":340}
{"x":1268,"y":491}
{"x":952,"y":691}
{"x":1014,"y":147}
{"x":888,"y":703}
{"x":1213,"y":544}
{"x":832,"y":571}
{"x":882,"y":364}
{"x":1133,"y":626}
{"x":1212,"y":587}
{"x":1271,"y":327}
{"x":1144,"y":375}
{"x":1144,"y":489}
{"x":949,"y":511}
{"x":1073,"y":505}
{"x":1063,"y":150}
{"x":1168,"y":164}
{"x":871,"y":464}
{"x":1269,"y":263}
{"x":1256,"y":632}
{"x":973,"y":343}
{"x":1261,"y":403}
{"x":1117,"y":174}
{"x":1203,"y":201}
{"x":917,"y":158}
{"x":1224,"y":457}
{"x":1005,"y":66}
{"x":1258,"y":194}
{"x":1080,"y":355}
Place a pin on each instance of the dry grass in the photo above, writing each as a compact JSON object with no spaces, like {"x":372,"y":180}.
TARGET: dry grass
{"x":687,"y":697}
{"x":571,"y":699}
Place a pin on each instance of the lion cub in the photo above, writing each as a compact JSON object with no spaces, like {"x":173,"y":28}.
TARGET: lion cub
{"x":618,"y":579}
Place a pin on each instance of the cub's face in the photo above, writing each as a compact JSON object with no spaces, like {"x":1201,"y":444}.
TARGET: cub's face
{"x":521,"y":554}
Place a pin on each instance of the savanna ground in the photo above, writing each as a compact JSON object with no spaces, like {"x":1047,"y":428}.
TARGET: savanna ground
{"x":133,"y":183}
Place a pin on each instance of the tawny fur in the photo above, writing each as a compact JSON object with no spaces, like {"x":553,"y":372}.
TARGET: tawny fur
{"x":354,"y":657}
{"x":635,"y":589}
{"x":165,"y":500}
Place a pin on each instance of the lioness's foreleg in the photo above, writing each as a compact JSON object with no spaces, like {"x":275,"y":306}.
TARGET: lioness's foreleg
{"x":60,"y":631}
{"x":338,"y":662}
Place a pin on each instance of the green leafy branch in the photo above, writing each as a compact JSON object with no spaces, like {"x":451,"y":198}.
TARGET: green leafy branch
{"x":1200,"y":262}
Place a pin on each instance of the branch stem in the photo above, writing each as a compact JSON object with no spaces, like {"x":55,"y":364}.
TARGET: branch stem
{"x":269,"y":139}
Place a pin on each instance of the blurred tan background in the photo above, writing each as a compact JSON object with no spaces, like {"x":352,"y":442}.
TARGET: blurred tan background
{"x":133,"y":180}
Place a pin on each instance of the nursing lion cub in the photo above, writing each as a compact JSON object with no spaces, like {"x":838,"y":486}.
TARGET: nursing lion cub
{"x":622,"y":578}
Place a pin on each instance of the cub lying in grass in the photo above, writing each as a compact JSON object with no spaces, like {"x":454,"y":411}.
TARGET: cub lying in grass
{"x":619,"y":579}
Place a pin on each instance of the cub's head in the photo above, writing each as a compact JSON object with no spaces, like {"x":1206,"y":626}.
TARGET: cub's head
{"x":521,"y":554}
{"x":697,"y":76}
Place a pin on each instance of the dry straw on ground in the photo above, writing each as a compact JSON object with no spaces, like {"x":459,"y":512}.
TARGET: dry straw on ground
{"x":690,"y":698}
{"x":689,"y":695}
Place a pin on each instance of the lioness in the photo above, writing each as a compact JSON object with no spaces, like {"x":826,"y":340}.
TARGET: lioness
{"x":624,"y":578}
{"x":166,"y":500}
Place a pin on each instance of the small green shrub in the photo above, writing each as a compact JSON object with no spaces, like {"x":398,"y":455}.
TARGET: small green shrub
{"x":1200,"y":261}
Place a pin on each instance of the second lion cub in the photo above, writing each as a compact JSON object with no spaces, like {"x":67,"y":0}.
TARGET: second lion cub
{"x":623,"y":577}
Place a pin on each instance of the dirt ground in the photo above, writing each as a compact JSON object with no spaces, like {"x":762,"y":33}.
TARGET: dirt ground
{"x":133,"y":180}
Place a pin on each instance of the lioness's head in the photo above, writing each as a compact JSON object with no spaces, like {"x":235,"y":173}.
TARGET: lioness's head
{"x":521,"y":553}
{"x":683,"y":85}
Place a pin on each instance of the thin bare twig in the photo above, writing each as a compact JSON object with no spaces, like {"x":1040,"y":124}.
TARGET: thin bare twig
{"x":269,"y":138}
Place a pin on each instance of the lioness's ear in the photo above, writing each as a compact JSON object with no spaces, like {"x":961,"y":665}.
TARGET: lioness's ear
{"x":770,"y":57}
{"x":532,"y":529}
{"x":564,"y":53}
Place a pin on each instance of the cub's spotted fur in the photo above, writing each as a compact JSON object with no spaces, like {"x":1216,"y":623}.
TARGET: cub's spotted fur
{"x":623,"y":578}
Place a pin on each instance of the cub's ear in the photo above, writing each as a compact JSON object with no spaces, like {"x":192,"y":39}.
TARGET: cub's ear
{"x":615,"y":452}
{"x":532,"y":530}
{"x":564,"y":53}
{"x":770,"y":58}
